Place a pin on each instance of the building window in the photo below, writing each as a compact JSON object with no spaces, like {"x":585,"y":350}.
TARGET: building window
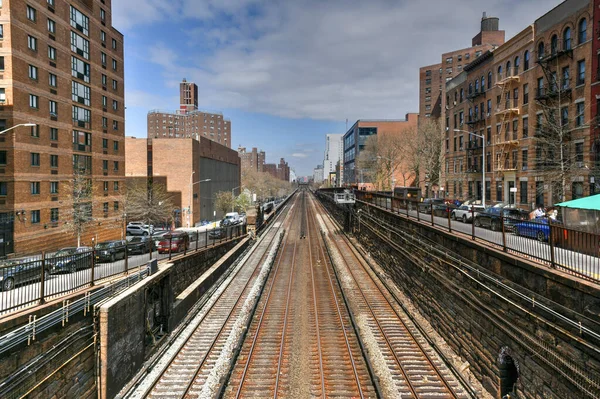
{"x":526,"y":60}
{"x":3,"y":188}
{"x":33,"y":101}
{"x":462,"y":95}
{"x":82,"y":141}
{"x":53,"y":107}
{"x":80,"y":21}
{"x":52,"y":53}
{"x":116,"y":206}
{"x":103,"y":36}
{"x":53,"y":187}
{"x":116,"y":186}
{"x":1,"y":31}
{"x":517,"y":64}
{"x":114,"y":44}
{"x":525,"y":127}
{"x":577,"y":190}
{"x":115,"y":86}
{"x":52,"y":80}
{"x":53,"y":134}
{"x":554,"y":45}
{"x":580,"y":72}
{"x":1,"y":61}
{"x":35,"y":188}
{"x":579,"y":153}
{"x":31,"y":43}
{"x":54,"y":161}
{"x":53,"y":215}
{"x":31,"y":13}
{"x":525,"y":94}
{"x":114,"y":65}
{"x":102,"y":15}
{"x":499,"y":191}
{"x":115,"y":145}
{"x":104,"y":164}
{"x":105,"y":186}
{"x":33,"y":72}
{"x":564,"y":116}
{"x":104,"y":122}
{"x":523,"y":192}
{"x":104,"y":101}
{"x":567,"y":39}
{"x":80,"y":69}
{"x":35,"y":217}
{"x":580,"y":114}
{"x":115,"y":125}
{"x":524,"y":159}
{"x":116,"y":166}
{"x":51,"y":26}
{"x":540,"y":51}
{"x":115,"y":105}
{"x":103,"y":59}
{"x":80,"y":45}
{"x":582,"y":31}
{"x":3,"y":158}
{"x":82,"y":116}
{"x":105,"y":143}
{"x":499,"y":72}
{"x":104,"y":80}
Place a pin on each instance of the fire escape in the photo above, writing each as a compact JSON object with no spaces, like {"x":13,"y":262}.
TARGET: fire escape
{"x":506,"y":139}
{"x":475,"y":121}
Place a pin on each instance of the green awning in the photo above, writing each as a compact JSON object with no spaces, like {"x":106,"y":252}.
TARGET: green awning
{"x":592,"y":203}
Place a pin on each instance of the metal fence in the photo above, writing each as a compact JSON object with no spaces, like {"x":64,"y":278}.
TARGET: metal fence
{"x":43,"y":277}
{"x":542,"y":240}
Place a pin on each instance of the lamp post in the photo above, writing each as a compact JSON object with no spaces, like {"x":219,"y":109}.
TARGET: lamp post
{"x":482,"y":137}
{"x":189,"y":215}
{"x":15,"y":126}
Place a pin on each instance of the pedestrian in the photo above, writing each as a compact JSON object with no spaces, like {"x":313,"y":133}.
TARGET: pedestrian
{"x":539,"y":212}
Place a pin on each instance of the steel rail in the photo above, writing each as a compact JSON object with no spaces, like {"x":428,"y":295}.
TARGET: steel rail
{"x":257,"y":332}
{"x":381,"y":329}
{"x":339,"y":313}
{"x":198,"y":368}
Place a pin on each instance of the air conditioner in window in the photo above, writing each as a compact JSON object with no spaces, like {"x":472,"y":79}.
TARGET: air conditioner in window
{"x":579,"y":164}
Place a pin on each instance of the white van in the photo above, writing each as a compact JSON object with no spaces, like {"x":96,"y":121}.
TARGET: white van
{"x":233,"y":218}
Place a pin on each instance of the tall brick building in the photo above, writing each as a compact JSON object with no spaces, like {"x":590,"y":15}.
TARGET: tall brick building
{"x":189,"y":121}
{"x":253,"y":160}
{"x":531,"y":99}
{"x":433,"y":78}
{"x":61,"y":69}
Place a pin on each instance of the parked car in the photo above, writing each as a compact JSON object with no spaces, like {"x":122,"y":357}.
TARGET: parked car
{"x":156,"y":237}
{"x":442,"y":210}
{"x":140,"y":245}
{"x":136,"y":230}
{"x":465,"y":212}
{"x":109,"y":251}
{"x":492,"y":218}
{"x":216,"y":234}
{"x":70,"y":260}
{"x":16,"y":272}
{"x":178,"y":240}
{"x":536,"y":228}
{"x":426,"y":205}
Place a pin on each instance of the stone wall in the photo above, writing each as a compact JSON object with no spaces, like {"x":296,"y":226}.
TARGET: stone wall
{"x":487,"y":321}
{"x":127,"y":321}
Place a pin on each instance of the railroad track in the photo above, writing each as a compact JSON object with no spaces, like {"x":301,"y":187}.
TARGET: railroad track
{"x":412,"y":368}
{"x":301,"y":343}
{"x":184,"y":369}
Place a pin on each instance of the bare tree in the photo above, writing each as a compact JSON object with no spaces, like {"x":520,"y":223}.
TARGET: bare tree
{"x":243,"y":202}
{"x":224,"y":201}
{"x":264,"y":185}
{"x":425,"y":152}
{"x":77,"y":209}
{"x":148,"y":202}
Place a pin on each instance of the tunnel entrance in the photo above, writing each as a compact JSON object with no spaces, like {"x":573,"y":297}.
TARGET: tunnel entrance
{"x":509,"y":373}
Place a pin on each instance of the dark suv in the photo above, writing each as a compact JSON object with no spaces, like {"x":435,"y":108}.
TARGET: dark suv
{"x":70,"y":260}
{"x":428,"y":203}
{"x":109,"y":251}
{"x":492,"y":218}
{"x":15,"y":272}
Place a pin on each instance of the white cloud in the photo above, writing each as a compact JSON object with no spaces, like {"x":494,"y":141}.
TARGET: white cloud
{"x":300,"y":155}
{"x":325,"y":60}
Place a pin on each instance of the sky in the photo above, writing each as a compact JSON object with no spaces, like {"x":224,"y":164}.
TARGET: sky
{"x":288,"y":72}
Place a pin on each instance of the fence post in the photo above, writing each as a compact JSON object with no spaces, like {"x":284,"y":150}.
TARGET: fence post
{"x":185,"y":245}
{"x":126,"y":257}
{"x":93,"y":264}
{"x":551,"y":242}
{"x":197,"y":239}
{"x":449,"y":219}
{"x":431,"y":211}
{"x":206,"y":238}
{"x":170,"y":243}
{"x":43,"y":278}
{"x":472,"y":222}
{"x":503,"y":233}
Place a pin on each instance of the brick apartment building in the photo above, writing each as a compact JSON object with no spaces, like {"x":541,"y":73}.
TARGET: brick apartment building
{"x":531,"y":100}
{"x":194,"y":160}
{"x":279,"y":171}
{"x":433,"y":78}
{"x":355,"y":138}
{"x":189,"y":121}
{"x":253,"y":160}
{"x":62,"y":70}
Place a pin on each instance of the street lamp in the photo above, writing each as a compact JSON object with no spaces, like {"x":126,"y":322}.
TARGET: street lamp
{"x":15,"y":126}
{"x":189,"y":215}
{"x":482,"y":137}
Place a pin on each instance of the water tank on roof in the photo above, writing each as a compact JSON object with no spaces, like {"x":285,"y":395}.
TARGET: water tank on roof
{"x":489,"y":24}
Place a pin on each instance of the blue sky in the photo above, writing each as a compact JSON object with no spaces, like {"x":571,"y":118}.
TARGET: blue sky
{"x":288,"y":72}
